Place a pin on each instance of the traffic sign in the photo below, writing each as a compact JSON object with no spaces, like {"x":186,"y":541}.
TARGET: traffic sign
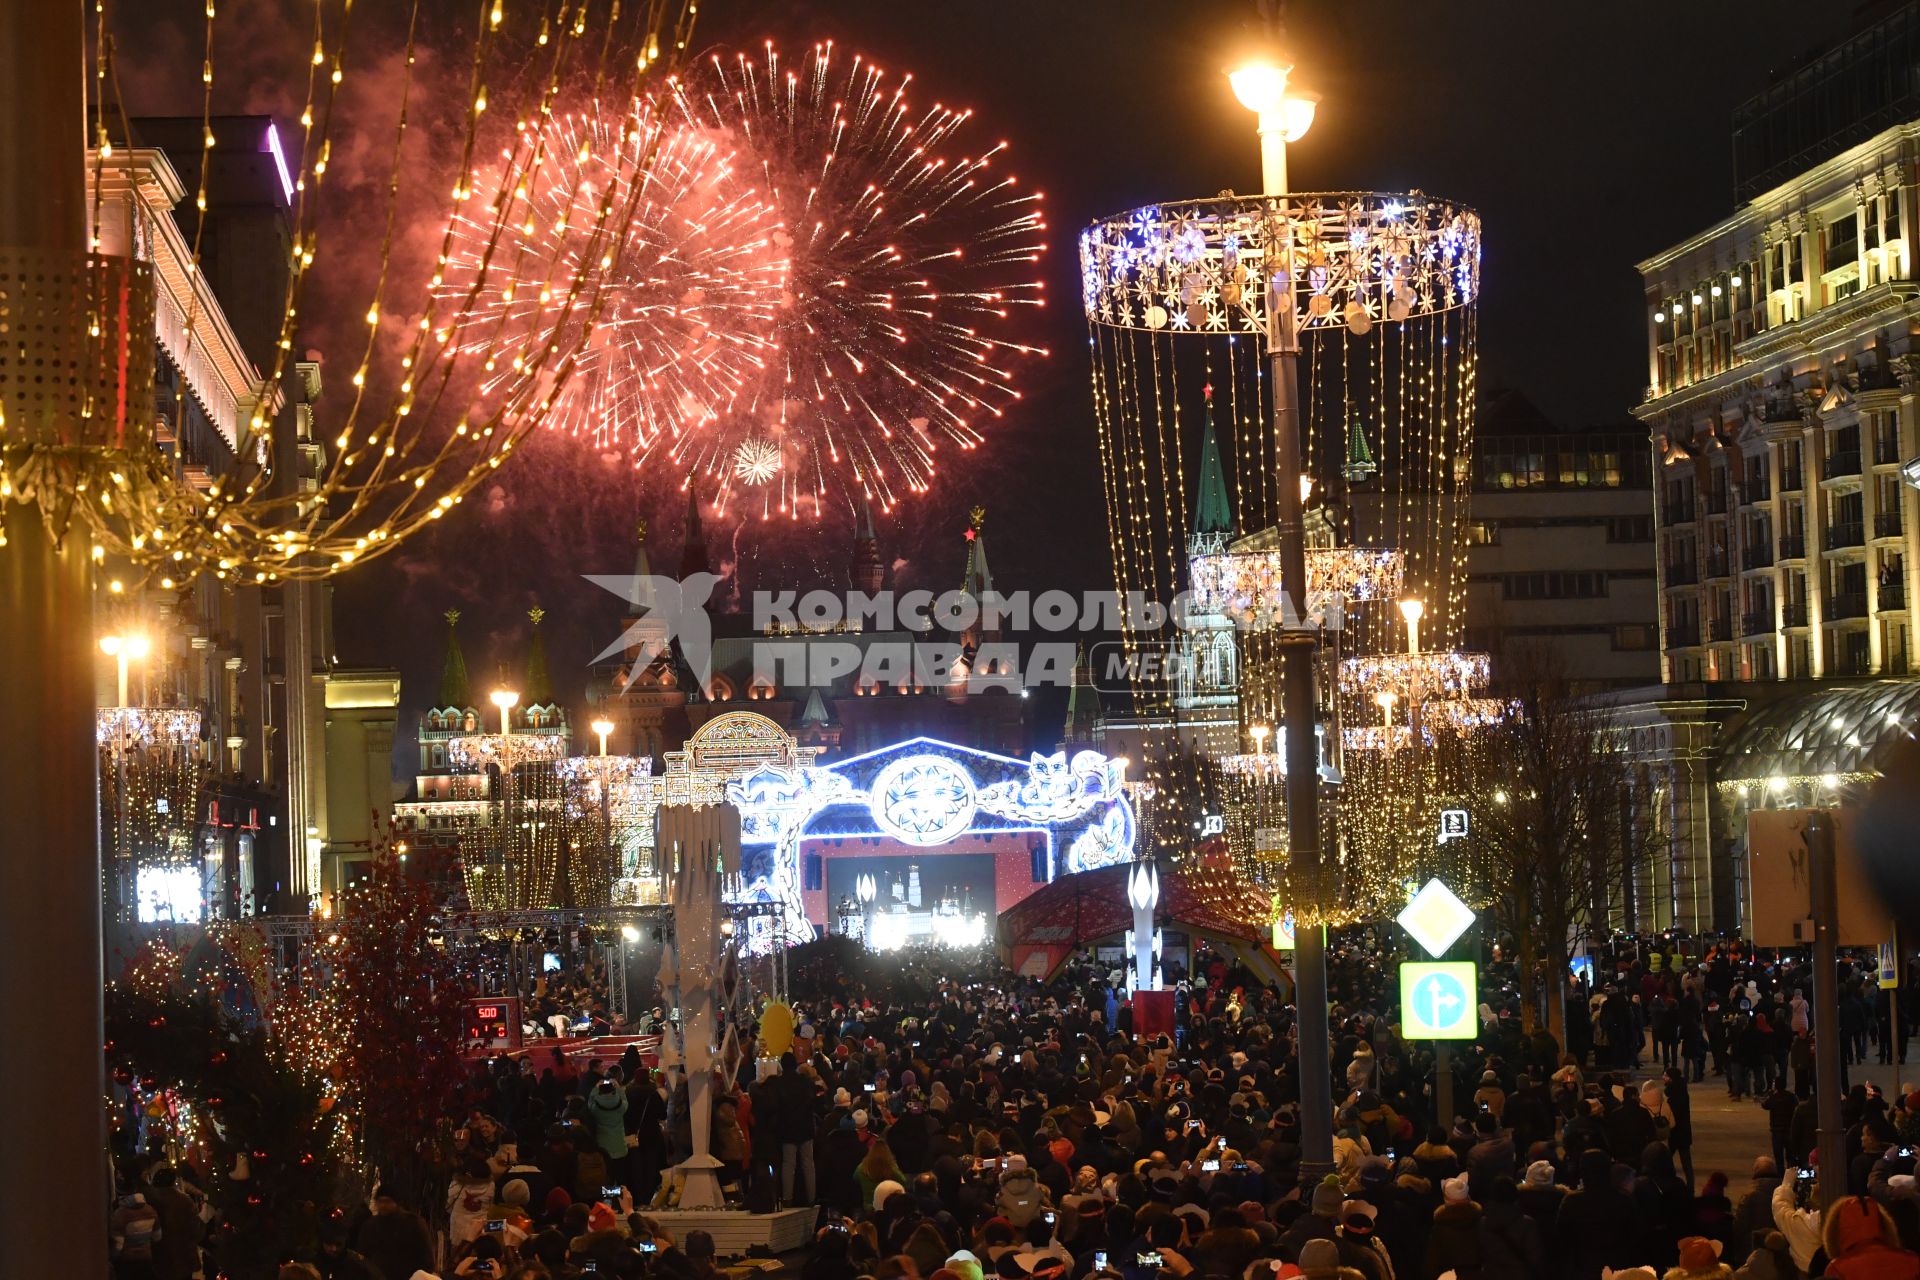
{"x":1439,"y":1000}
{"x":1436,"y":917}
{"x":1889,"y":967}
{"x":1283,"y":931}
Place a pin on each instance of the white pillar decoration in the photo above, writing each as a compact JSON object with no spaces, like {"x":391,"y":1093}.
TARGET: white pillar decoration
{"x":1143,"y":893}
{"x":700,"y":848}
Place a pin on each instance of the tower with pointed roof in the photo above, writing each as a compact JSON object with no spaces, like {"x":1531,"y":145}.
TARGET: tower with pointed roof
{"x":865,"y":572}
{"x":646,"y":702}
{"x":1082,"y":727}
{"x":976,"y":580}
{"x":693,"y":548}
{"x":1206,"y":679}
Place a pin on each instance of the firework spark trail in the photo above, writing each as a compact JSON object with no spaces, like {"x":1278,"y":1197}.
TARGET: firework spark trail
{"x":693,"y":291}
{"x":906,"y":263}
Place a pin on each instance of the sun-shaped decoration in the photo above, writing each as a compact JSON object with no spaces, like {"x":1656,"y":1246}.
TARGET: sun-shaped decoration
{"x":756,"y":461}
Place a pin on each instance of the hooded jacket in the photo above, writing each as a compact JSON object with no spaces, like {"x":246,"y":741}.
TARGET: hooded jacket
{"x":1021,"y":1197}
{"x":1855,"y":1236}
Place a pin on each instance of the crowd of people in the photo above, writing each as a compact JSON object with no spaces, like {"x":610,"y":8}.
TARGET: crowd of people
{"x":946,"y":1121}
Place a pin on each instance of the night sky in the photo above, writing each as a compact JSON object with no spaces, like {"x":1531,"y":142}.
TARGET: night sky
{"x":1588,"y":136}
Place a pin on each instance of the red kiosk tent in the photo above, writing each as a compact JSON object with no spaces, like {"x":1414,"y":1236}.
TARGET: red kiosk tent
{"x":1046,"y":927}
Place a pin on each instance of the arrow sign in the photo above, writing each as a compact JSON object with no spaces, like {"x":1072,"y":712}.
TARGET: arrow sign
{"x":1438,"y":1000}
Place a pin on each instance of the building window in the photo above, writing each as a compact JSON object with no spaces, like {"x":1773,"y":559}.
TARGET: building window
{"x":815,"y":873}
{"x":1630,"y":529}
{"x":1483,"y":533}
{"x":1571,"y":585}
{"x":1635,"y":639}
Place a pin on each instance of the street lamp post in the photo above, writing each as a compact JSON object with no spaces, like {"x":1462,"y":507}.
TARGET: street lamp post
{"x":1261,"y":86}
{"x":123,"y":649}
{"x":602,"y":728}
{"x":505,"y":699}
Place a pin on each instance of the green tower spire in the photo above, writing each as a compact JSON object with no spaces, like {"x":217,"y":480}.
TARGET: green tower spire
{"x":1211,"y":511}
{"x":1359,"y":464}
{"x":455,"y":689}
{"x":539,"y":686}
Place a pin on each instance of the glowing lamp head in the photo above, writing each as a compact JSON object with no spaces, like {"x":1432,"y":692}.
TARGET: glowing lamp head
{"x":1260,"y":84}
{"x":1297,"y":113}
{"x":1385,"y":699}
{"x":1143,"y":887}
{"x":1412,"y":610}
{"x":1306,"y":488}
{"x":110,"y":645}
{"x":629,"y":934}
{"x":504,"y":698}
{"x":603,"y":727}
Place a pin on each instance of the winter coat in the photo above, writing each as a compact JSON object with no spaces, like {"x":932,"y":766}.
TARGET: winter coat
{"x":1855,"y":1249}
{"x":1021,"y":1197}
{"x":607,"y":1110}
{"x":1455,"y":1242}
{"x":1511,"y":1244}
{"x":1593,"y":1228}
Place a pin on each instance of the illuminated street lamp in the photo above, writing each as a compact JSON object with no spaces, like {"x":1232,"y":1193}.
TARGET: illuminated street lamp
{"x":1262,"y":85}
{"x":603,"y":728}
{"x":1285,"y":113}
{"x":506,"y":700}
{"x":124,"y":649}
{"x":1413,"y":611}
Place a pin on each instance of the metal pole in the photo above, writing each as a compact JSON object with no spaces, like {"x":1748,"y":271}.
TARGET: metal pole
{"x":1299,"y":646}
{"x":1826,"y":1012}
{"x":51,"y":906}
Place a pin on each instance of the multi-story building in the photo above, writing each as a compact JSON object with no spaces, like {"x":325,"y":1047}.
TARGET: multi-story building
{"x":1559,"y":549}
{"x":1783,"y":374}
{"x":255,"y":661}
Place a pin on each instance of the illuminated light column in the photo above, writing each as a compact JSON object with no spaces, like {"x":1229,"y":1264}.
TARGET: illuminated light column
{"x":1261,"y":86}
{"x":1143,"y":893}
{"x":505,"y":700}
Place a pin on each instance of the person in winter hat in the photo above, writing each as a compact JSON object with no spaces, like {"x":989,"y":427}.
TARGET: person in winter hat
{"x":1771,"y":1259}
{"x":1453,"y":1244}
{"x":1699,"y":1260}
{"x":1320,"y":1260}
{"x":1861,"y":1243}
{"x":1021,"y":1198}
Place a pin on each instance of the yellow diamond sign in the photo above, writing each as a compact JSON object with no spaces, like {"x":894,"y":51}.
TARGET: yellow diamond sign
{"x":1436,"y":917}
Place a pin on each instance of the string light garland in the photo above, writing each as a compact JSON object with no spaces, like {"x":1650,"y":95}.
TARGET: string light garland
{"x":402,"y":456}
{"x":1384,"y":290}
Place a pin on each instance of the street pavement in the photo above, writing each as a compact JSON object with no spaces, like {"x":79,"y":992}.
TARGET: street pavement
{"x":1727,"y":1135}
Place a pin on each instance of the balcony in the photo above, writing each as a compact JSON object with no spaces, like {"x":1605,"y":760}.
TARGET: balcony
{"x":1757,"y":492}
{"x":1893,"y":596}
{"x":1722,"y":629}
{"x":1794,"y":615}
{"x":1845,"y":462}
{"x":1790,"y":480}
{"x":1682,"y":575}
{"x":1847,"y":604}
{"x":1683,"y":637}
{"x":1757,"y":555}
{"x":1888,"y":525}
{"x":1717,"y":565}
{"x":1847,"y":533}
{"x":1793,"y":546}
{"x":1756,"y":624}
